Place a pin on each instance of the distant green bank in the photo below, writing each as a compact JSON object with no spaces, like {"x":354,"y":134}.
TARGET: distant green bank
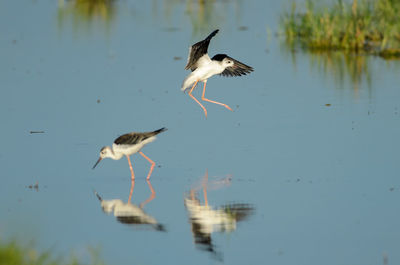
{"x":361,"y":26}
{"x":13,"y":253}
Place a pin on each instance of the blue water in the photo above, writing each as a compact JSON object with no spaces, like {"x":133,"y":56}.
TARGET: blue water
{"x":321,"y":180}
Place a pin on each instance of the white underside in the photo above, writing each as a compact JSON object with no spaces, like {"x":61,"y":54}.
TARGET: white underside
{"x":128,"y":209}
{"x":208,"y":219}
{"x":205,"y":69}
{"x":125,"y":149}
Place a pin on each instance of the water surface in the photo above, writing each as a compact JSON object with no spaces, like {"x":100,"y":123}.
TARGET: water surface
{"x":311,"y":147}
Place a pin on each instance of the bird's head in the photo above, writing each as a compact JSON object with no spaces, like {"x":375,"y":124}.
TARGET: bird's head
{"x":105,"y":152}
{"x":227,"y":62}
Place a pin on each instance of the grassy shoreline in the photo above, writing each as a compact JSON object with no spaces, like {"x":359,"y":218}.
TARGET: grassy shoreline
{"x":360,"y":26}
{"x":15,"y":253}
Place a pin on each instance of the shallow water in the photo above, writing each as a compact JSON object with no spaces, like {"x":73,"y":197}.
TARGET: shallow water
{"x":310,"y":150}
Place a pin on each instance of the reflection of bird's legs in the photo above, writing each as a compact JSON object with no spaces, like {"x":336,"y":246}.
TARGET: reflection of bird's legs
{"x":205,"y":188}
{"x":131,"y":192}
{"x":152,"y":195}
{"x":130,"y":166}
{"x":198,"y":102}
{"x":212,"y":101}
{"x":151,"y":162}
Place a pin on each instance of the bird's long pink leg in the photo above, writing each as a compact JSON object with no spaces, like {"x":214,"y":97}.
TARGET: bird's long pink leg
{"x":152,"y":195}
{"x":131,"y":192}
{"x":205,"y":188}
{"x":198,"y":102}
{"x":212,"y":101}
{"x":130,"y":166}
{"x":152,"y":164}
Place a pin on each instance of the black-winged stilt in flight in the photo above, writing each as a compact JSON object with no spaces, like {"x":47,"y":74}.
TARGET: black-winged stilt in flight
{"x":203,"y":67}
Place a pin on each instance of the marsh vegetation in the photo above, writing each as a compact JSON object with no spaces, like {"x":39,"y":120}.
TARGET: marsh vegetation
{"x":360,"y":26}
{"x":13,"y":252}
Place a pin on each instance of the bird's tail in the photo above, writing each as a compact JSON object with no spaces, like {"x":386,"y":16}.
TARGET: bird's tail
{"x":188,"y":82}
{"x":184,"y":86}
{"x":163,"y":129}
{"x":160,"y":227}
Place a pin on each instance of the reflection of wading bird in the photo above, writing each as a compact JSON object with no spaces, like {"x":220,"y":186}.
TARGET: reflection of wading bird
{"x":131,"y":214}
{"x":203,"y":68}
{"x":129,"y":144}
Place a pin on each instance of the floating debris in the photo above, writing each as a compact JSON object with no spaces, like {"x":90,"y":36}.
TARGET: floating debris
{"x":35,"y":187}
{"x":171,"y":29}
{"x":243,"y":28}
{"x":32,"y":132}
{"x":98,"y":101}
{"x":177,"y":58}
{"x":328,"y":104}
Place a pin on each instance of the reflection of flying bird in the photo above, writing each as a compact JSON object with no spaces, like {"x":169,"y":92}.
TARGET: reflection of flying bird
{"x":205,"y":219}
{"x":129,"y":144}
{"x":203,"y":67}
{"x":128,"y":213}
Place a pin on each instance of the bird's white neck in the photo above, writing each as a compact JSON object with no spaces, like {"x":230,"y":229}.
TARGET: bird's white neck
{"x":114,"y":155}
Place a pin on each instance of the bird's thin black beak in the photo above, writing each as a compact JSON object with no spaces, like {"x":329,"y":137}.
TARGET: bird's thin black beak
{"x":98,"y":161}
{"x":98,"y":196}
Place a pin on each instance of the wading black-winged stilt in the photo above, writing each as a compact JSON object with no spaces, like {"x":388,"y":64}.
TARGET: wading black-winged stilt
{"x":203,"y":67}
{"x":129,"y":144}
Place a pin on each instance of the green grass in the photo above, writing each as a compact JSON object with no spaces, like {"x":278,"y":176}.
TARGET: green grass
{"x":13,"y":253}
{"x":82,"y":13}
{"x":360,"y":26}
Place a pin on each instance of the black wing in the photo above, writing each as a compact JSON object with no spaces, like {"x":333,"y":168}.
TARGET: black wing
{"x":130,"y":138}
{"x":135,"y":137}
{"x":237,"y":69}
{"x":197,"y":50}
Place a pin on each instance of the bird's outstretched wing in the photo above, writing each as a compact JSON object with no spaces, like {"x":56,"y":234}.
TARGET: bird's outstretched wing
{"x":136,"y":137}
{"x":196,"y":51}
{"x":237,"y":69}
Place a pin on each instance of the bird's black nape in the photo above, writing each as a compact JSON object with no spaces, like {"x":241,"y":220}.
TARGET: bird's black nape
{"x":237,"y":69}
{"x":219,"y":57}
